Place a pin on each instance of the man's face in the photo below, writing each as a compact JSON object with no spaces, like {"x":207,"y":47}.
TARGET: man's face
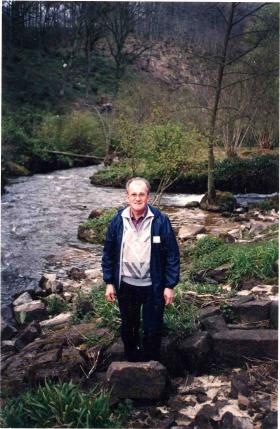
{"x":137,"y":196}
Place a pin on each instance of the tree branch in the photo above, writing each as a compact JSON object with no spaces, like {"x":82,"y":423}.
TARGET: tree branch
{"x":233,"y":60}
{"x":249,"y":13}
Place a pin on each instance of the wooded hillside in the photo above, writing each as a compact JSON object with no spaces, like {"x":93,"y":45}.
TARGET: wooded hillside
{"x":73,"y":70}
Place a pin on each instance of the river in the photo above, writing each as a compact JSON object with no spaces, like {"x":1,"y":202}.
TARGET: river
{"x":40,"y":218}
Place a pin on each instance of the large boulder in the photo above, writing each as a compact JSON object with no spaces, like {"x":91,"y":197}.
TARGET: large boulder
{"x":232,"y":347}
{"x":8,"y":323}
{"x":115,"y":352}
{"x":34,"y":310}
{"x":87,"y":234}
{"x":214,"y":323}
{"x":57,"y":356}
{"x":195,"y":352}
{"x":28,"y":335}
{"x":270,"y":421}
{"x":50,"y":284}
{"x":137,"y":380}
{"x":240,"y":385}
{"x":190,"y":231}
{"x":214,"y":275}
{"x":76,"y":274}
{"x":273,"y":315}
{"x":224,"y":202}
{"x":61,"y":320}
{"x":24,"y":298}
{"x":229,"y":420}
{"x":170,"y":357}
{"x":252,"y":311}
{"x":209,"y":311}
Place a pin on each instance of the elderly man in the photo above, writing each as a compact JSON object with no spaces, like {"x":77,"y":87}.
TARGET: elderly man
{"x":141,"y":266}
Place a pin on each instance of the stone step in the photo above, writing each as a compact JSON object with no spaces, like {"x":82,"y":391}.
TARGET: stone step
{"x":232,"y":347}
{"x":137,"y":380}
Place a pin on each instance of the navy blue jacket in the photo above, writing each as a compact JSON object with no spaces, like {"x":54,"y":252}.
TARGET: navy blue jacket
{"x":165,"y":257}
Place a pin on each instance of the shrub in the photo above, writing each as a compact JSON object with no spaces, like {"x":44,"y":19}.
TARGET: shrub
{"x":115,"y":175}
{"x":61,"y":405}
{"x":56,"y":304}
{"x":14,"y":139}
{"x":82,"y":308}
{"x":258,"y":174}
{"x":78,"y":132}
{"x":100,"y":224}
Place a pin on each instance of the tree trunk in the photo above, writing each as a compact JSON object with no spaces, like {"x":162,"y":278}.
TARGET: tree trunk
{"x":213,"y":117}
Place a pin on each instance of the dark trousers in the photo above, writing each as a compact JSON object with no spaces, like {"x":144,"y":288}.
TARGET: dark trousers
{"x":133,"y":299}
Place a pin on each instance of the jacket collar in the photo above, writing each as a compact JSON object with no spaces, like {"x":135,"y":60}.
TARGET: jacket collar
{"x":126,"y":212}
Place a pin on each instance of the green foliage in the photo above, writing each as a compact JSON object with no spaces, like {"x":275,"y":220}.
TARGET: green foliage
{"x":207,"y":245}
{"x":56,"y":304}
{"x":168,"y":149}
{"x":100,"y":224}
{"x":14,"y":139}
{"x":82,"y":308}
{"x":106,"y":313}
{"x":252,"y":260}
{"x":62,"y":405}
{"x":227,"y":312}
{"x":78,"y":132}
{"x":255,"y":174}
{"x":130,"y":134}
{"x":115,"y":175}
{"x":181,"y":316}
{"x":268,"y":204}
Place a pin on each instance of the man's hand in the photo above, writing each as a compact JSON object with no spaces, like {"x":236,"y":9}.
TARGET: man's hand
{"x":110,"y":293}
{"x":168,"y":295}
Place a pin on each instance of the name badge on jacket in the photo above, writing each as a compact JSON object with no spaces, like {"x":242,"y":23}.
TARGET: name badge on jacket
{"x":156,"y":239}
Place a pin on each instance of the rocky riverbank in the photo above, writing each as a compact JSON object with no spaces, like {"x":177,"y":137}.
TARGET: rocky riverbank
{"x":219,"y":374}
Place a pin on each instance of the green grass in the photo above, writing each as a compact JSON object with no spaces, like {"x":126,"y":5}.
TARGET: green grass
{"x":252,"y":260}
{"x":63,"y":405}
{"x":181,"y":316}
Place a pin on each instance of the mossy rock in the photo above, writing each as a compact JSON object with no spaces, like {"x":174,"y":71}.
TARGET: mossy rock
{"x":94,"y":229}
{"x":224,"y":202}
{"x":86,"y":233}
{"x":15,"y":169}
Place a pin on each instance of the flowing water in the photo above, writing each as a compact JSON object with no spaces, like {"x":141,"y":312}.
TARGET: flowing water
{"x":40,"y":218}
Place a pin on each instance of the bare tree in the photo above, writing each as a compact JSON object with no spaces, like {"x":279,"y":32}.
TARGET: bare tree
{"x":225,"y":71}
{"x":120,"y":19}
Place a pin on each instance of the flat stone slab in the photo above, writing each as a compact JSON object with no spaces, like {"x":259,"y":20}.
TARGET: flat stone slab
{"x":24,"y":298}
{"x":190,"y":231}
{"x":56,"y":321}
{"x":136,"y":380}
{"x":253,"y":311}
{"x":232,"y":347}
{"x":34,"y":310}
